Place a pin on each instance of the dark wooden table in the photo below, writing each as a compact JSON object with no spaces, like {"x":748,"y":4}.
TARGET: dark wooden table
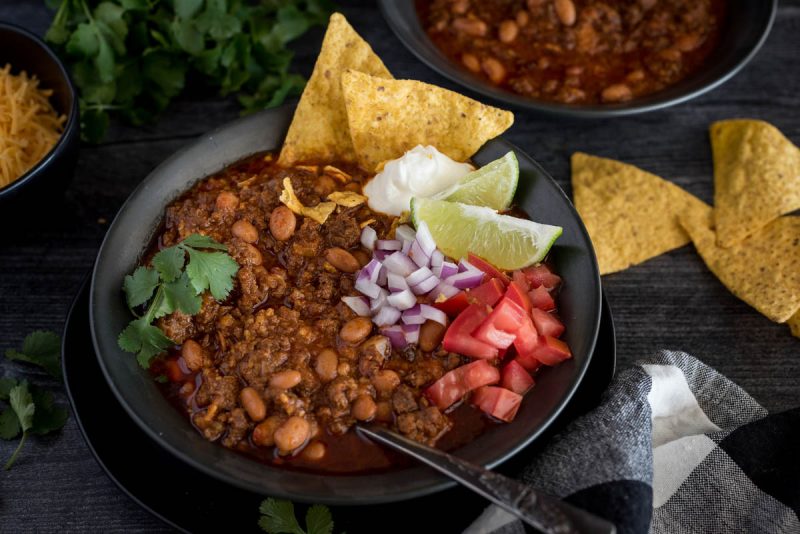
{"x":670,"y":302}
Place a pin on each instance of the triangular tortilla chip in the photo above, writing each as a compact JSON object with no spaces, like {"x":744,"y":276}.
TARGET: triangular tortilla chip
{"x":794,"y":324}
{"x":389,"y":117}
{"x":318,"y":132}
{"x":756,"y":177}
{"x":631,"y":215}
{"x":763,"y":270}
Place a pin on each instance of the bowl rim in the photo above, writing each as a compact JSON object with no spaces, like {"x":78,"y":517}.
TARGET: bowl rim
{"x":69,"y":125}
{"x":439,"y":482}
{"x":390,"y":11}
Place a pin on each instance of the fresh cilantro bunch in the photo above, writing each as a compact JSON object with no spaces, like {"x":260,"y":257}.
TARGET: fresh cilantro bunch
{"x":169,"y":287}
{"x":278,"y":518}
{"x":31,"y":410}
{"x":132,"y":57}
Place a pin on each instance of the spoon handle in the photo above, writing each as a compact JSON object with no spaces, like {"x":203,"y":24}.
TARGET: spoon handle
{"x":543,"y":512}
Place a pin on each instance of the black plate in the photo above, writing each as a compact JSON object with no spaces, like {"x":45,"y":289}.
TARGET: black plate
{"x":579,"y":306}
{"x":747,"y":26}
{"x":192,"y":501}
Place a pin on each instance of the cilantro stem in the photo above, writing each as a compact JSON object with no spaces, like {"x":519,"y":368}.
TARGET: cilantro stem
{"x":155,"y":304}
{"x":11,"y":460}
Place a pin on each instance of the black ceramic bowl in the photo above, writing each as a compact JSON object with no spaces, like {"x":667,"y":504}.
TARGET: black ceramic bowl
{"x":138,"y":220}
{"x":746,"y":28}
{"x":25,"y":51}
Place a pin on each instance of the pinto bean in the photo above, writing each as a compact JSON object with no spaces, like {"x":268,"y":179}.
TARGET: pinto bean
{"x":688,"y":42}
{"x":342,"y":260}
{"x":459,"y":7}
{"x":292,"y":434}
{"x":314,"y":451}
{"x":384,"y":411}
{"x":251,"y":255}
{"x":253,"y":404}
{"x":471,"y":62}
{"x":193,"y":354}
{"x":226,"y":201}
{"x":285,"y":379}
{"x":282,"y":223}
{"x":494,"y":69}
{"x":245,"y":231}
{"x":470,"y":26}
{"x":264,"y":432}
{"x":364,"y":408}
{"x":508,"y":31}
{"x":356,"y":330}
{"x":326,"y":364}
{"x":616,"y":93}
{"x":522,"y":18}
{"x":565,"y":10}
{"x":385,"y":381}
{"x":430,"y":335}
{"x":362,"y":257}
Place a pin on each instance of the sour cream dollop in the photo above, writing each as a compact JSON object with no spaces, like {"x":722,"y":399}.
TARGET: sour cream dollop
{"x":423,"y":171}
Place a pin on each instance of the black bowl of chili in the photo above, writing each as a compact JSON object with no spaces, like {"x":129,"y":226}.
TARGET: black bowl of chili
{"x":600,"y":85}
{"x":140,"y":219}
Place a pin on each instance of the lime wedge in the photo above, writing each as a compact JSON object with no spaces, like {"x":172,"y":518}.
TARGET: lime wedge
{"x":493,"y":185}
{"x":504,"y":241}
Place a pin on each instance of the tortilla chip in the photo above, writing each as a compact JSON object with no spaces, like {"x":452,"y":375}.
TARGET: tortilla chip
{"x":756,"y":177}
{"x":348,"y":199}
{"x":389,"y":117}
{"x":763,"y":270}
{"x":318,"y":132}
{"x":631,"y":215}
{"x":319,"y":213}
{"x":794,"y":324}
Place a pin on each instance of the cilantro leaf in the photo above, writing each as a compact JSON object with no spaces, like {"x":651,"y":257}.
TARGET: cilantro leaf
{"x":9,"y":424}
{"x":40,"y":348}
{"x":144,"y":339}
{"x":213,"y":271}
{"x":278,"y":517}
{"x":47,"y":416}
{"x":319,"y":520}
{"x":21,"y":401}
{"x":203,"y":241}
{"x":140,"y":285}
{"x":181,"y":296}
{"x":6,"y":384}
{"x":169,"y":263}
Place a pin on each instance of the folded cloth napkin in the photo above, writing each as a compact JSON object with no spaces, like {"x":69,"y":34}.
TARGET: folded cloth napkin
{"x":673,"y":447}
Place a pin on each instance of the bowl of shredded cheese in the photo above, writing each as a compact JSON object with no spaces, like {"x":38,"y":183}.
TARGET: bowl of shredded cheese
{"x":39,"y":124}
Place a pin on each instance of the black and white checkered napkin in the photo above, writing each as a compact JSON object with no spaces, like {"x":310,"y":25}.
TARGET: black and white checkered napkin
{"x":674,"y":447}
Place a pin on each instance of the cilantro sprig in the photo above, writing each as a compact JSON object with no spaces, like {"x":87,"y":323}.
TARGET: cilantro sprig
{"x":171,"y":284}
{"x":278,"y":517}
{"x":133,"y":57}
{"x":30,"y":409}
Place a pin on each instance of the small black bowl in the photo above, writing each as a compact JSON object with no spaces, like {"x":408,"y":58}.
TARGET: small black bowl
{"x":53,"y":173}
{"x":138,"y":220}
{"x":746,"y":27}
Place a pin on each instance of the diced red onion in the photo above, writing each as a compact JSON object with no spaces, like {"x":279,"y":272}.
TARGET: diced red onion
{"x":406,"y":247}
{"x":381,"y":255}
{"x":418,"y":255}
{"x":423,"y":273}
{"x":445,"y":290}
{"x":396,"y":336}
{"x":411,"y":333}
{"x":402,"y":300}
{"x":399,"y":263}
{"x":371,"y":271}
{"x":434,"y":314}
{"x":397,"y":283}
{"x":448,"y":269}
{"x":426,"y":285}
{"x":466,"y":279}
{"x":388,"y":244}
{"x":387,"y":316}
{"x":425,"y":239}
{"x":368,"y":237}
{"x":405,"y":232}
{"x":464,"y":265}
{"x":437,"y":258}
{"x":360,"y":305}
{"x":370,"y":289}
{"x":413,"y":315}
{"x":375,"y":304}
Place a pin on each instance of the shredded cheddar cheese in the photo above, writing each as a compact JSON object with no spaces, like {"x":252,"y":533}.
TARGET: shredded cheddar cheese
{"x":29,"y":126}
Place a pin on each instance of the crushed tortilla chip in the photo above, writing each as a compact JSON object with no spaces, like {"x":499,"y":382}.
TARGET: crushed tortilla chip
{"x":389,"y":117}
{"x":339,"y":174}
{"x":763,"y":270}
{"x":756,"y":177}
{"x":366,"y":223}
{"x":319,"y":213}
{"x":348,"y":199}
{"x":631,"y":215}
{"x":794,"y":324}
{"x":319,"y":132}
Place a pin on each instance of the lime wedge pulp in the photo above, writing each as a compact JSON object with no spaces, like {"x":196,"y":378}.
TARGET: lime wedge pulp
{"x":504,"y":241}
{"x":493,"y":185}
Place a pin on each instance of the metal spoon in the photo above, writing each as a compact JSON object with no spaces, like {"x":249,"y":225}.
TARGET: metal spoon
{"x":543,"y":512}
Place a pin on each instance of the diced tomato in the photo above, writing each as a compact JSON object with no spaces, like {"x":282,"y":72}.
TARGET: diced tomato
{"x":521,"y":280}
{"x":456,"y":383}
{"x":552,"y":351}
{"x":540,"y":298}
{"x":487,"y":293}
{"x":547,"y":324}
{"x":541,"y":275}
{"x":527,"y":338}
{"x":454,"y":305}
{"x":487,"y":267}
{"x":529,"y":362}
{"x":173,"y":370}
{"x":500,"y":403}
{"x":459,"y":339}
{"x":518,"y":294}
{"x":500,"y":328}
{"x":516,"y":378}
